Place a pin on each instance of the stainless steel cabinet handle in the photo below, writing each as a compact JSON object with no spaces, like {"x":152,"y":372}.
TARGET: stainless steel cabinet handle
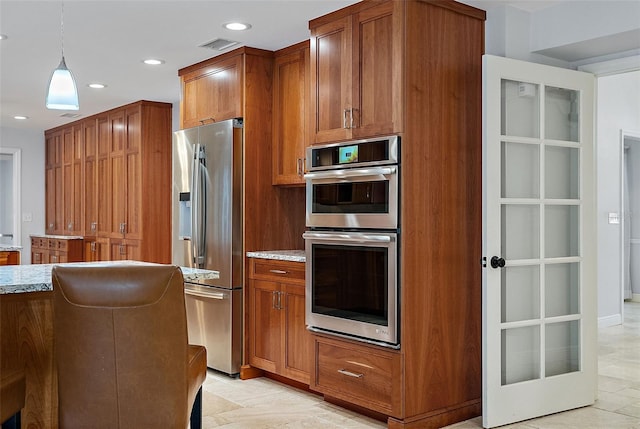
{"x":351,"y":113}
{"x":94,"y":226}
{"x":299,"y":167}
{"x":344,"y":121}
{"x":274,"y":301}
{"x":350,"y":374}
{"x":280,"y":301}
{"x":70,"y":226}
{"x":279,"y":271}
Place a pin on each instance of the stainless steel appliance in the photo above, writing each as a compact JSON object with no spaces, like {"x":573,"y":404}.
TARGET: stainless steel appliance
{"x":353,"y":184}
{"x":352,"y":241}
{"x":207,"y":233}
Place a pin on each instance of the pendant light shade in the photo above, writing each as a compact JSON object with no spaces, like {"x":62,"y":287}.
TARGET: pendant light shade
{"x":63,"y":93}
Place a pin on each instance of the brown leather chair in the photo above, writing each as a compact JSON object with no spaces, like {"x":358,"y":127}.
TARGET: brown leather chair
{"x":121,"y":348}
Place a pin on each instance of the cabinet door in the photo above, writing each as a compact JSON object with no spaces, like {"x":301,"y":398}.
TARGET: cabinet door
{"x":117,"y":171}
{"x":331,"y":88}
{"x":213,"y":93}
{"x":90,"y":188}
{"x":290,"y":83}
{"x":72,"y":180}
{"x":103,"y":177}
{"x":133,"y":176}
{"x":297,"y":341}
{"x":53,"y":184}
{"x":265,"y":322}
{"x":377,"y":71}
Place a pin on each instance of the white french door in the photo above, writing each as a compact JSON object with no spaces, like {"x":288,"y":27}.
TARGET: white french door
{"x":539,"y":241}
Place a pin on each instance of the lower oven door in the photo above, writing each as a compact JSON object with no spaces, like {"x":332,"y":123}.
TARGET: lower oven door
{"x":352,"y":286}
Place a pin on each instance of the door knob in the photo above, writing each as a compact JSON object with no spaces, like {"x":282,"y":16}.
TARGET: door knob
{"x":497,"y":262}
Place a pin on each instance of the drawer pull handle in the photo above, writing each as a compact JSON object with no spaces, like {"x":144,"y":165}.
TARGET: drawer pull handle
{"x":278,"y":272}
{"x":350,"y":374}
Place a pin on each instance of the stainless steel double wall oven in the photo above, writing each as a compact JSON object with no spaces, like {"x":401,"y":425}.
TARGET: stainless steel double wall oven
{"x":352,"y":239}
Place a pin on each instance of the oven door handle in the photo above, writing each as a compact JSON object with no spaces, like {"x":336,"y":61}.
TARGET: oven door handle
{"x":337,"y":175}
{"x":352,"y":238}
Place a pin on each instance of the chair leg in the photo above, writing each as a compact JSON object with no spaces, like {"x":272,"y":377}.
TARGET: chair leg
{"x":14,"y":422}
{"x":196,"y":412}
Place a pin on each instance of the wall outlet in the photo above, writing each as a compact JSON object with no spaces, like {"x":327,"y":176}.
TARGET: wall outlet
{"x":27,"y":217}
{"x":614,"y":218}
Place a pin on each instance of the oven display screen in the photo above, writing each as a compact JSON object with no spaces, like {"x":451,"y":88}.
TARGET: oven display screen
{"x":351,"y":282}
{"x":347,"y":154}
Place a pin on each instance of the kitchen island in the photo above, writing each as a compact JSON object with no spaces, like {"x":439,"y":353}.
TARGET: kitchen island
{"x":26,"y":335}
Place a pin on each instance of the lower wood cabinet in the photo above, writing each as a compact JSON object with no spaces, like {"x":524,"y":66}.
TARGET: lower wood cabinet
{"x":278,"y":341}
{"x":56,"y":249}
{"x":9,"y":257}
{"x":367,"y":376}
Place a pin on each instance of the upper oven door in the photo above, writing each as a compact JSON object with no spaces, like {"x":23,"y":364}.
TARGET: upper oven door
{"x":353,"y":198}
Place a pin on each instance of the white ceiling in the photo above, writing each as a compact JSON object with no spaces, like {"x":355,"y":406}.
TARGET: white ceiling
{"x":105,"y":41}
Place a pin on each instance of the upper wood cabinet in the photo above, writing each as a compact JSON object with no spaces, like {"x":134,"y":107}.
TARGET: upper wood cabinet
{"x":109,"y":176}
{"x":356,"y":74}
{"x":290,"y":107}
{"x":212,"y":92}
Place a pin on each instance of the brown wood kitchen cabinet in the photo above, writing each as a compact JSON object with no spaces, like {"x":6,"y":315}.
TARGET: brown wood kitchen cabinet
{"x":56,"y":250}
{"x":278,"y":339}
{"x":412,"y":68}
{"x":212,"y":91}
{"x":109,"y":178}
{"x":290,"y":107}
{"x":356,"y":73}
{"x":54,"y":213}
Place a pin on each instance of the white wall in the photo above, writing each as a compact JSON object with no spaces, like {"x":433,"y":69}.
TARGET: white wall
{"x":31,"y":143}
{"x":618,"y":108}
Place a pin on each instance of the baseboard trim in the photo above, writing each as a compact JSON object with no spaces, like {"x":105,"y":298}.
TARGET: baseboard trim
{"x":606,"y":321}
{"x":635,"y":297}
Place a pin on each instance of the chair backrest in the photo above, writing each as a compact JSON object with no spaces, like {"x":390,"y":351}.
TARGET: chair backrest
{"x":121,"y":346}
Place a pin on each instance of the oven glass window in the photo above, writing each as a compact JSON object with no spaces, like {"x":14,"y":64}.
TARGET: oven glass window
{"x":352,"y":197}
{"x":350,"y":282}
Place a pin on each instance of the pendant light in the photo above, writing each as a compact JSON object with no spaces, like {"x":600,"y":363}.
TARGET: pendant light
{"x":63,"y":93}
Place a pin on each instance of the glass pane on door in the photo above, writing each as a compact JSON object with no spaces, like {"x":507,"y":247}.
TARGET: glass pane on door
{"x":520,"y":231}
{"x":562,"y":289}
{"x":561,"y":172}
{"x":520,"y":109}
{"x":520,"y":293}
{"x":520,"y":165}
{"x":562,"y":230}
{"x":561,"y":114}
{"x":6,"y":208}
{"x":520,"y":354}
{"x":562,"y":348}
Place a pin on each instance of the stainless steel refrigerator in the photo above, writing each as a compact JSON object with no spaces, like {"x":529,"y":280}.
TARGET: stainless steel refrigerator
{"x":207,"y":233}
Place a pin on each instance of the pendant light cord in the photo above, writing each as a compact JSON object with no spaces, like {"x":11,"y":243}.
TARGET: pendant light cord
{"x":62,"y":28}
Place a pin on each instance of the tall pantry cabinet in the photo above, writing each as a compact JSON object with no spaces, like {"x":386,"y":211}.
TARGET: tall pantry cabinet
{"x":109,"y":180}
{"x":412,"y":68}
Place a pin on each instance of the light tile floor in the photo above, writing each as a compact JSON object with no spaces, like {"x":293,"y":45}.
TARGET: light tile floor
{"x":265,"y":404}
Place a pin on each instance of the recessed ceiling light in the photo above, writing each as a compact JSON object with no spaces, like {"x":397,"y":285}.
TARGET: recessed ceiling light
{"x":20,"y":117}
{"x":153,"y":62}
{"x":237,"y":26}
{"x":3,"y":36}
{"x":97,"y":85}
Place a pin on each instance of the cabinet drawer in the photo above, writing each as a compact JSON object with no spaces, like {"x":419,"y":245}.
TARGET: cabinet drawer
{"x":279,"y":271}
{"x":366,"y":376}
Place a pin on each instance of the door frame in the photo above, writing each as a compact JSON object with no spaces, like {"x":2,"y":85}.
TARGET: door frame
{"x":16,"y":155}
{"x":635,"y":139}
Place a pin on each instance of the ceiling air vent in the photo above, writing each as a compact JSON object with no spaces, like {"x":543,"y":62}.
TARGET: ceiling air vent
{"x":70,"y":115}
{"x":219,"y":44}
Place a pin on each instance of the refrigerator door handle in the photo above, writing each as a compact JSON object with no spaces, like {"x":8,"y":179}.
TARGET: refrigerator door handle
{"x":202,"y":294}
{"x":198,"y":207}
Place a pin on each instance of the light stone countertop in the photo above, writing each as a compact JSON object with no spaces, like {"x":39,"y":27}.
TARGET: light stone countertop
{"x":279,"y":255}
{"x":59,"y":237}
{"x":37,"y":278}
{"x":9,"y":248}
